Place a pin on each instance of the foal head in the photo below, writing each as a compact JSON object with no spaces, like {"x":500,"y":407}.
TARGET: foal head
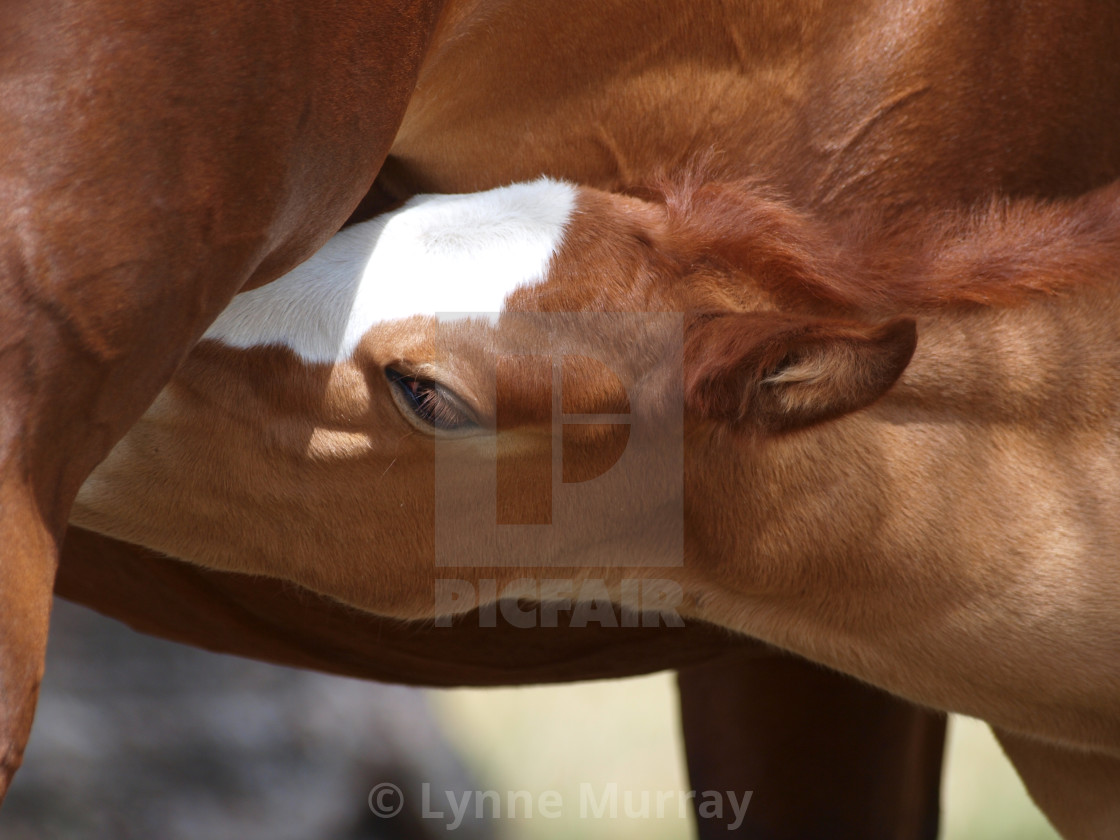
{"x":496,"y":386}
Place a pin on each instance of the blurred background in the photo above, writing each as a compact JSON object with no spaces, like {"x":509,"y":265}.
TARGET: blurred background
{"x":140,"y":738}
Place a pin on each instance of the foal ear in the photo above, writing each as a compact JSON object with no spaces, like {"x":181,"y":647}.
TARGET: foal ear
{"x":775,"y":373}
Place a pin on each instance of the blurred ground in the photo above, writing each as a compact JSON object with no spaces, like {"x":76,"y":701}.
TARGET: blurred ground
{"x":138,"y":738}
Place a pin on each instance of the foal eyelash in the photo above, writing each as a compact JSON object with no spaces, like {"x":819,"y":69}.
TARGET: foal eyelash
{"x":429,"y":401}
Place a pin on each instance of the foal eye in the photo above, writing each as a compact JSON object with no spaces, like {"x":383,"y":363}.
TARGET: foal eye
{"x":429,"y":402}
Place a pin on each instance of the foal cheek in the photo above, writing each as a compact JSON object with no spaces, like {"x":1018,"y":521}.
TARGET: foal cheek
{"x":591,"y":449}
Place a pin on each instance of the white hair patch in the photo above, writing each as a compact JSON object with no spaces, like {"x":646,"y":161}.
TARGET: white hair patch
{"x":436,"y":254}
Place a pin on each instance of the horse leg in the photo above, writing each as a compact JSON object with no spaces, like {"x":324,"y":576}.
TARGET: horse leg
{"x":33,"y":469}
{"x":1079,"y":792}
{"x":66,"y":392}
{"x":145,"y":180}
{"x":26,"y":581}
{"x":826,"y":756}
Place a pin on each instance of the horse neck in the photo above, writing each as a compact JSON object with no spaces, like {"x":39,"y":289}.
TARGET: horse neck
{"x":997,"y":443}
{"x":1009,"y":395}
{"x":974,"y":505}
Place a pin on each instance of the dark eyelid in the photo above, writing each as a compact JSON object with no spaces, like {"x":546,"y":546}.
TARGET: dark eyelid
{"x":399,"y":379}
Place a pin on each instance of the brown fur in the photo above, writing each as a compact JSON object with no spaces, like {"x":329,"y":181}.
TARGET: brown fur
{"x":152,"y":162}
{"x":843,"y":105}
{"x":996,"y":255}
{"x":944,"y":540}
{"x":776,"y":373}
{"x":849,"y":108}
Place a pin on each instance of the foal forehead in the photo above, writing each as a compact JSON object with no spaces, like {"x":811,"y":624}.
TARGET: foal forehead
{"x":438,"y":255}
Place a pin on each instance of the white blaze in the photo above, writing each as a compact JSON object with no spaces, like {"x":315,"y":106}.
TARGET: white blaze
{"x":436,"y":254}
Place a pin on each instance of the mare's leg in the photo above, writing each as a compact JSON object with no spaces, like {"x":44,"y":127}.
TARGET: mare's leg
{"x":153,"y":160}
{"x":26,"y":575}
{"x":1078,"y":792}
{"x":827,"y":757}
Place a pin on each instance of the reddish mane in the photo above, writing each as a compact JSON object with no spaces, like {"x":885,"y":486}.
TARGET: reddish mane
{"x":1000,"y":254}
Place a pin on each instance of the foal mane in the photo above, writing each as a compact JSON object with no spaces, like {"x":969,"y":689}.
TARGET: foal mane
{"x":1000,"y":254}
